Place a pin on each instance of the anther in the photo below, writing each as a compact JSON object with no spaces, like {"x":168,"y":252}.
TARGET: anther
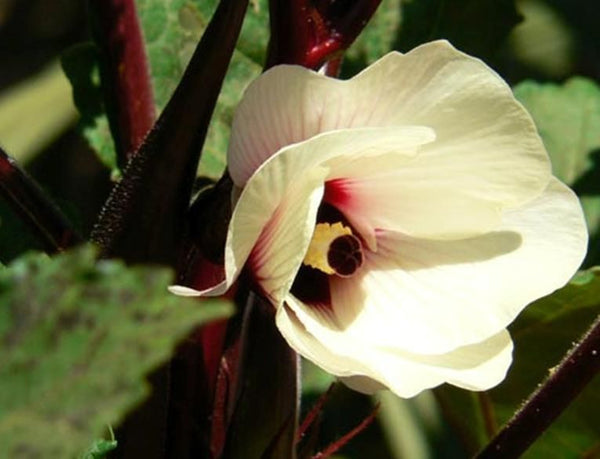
{"x":334,"y":250}
{"x":345,"y":255}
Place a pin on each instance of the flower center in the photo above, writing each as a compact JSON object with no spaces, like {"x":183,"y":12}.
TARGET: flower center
{"x":334,"y":250}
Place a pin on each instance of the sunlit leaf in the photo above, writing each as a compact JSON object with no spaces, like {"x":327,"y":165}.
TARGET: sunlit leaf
{"x":568,"y":119}
{"x":543,"y":333}
{"x":172,"y":28}
{"x":77,"y":338}
{"x":246,"y":65}
{"x":100,"y":448}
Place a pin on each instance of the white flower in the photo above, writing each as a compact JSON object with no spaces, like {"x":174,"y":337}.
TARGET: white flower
{"x":400,"y":220}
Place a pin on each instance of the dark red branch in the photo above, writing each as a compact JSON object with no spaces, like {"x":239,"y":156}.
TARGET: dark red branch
{"x":310,"y":32}
{"x":144,"y":218}
{"x":341,"y":442}
{"x":563,"y":385}
{"x":35,"y":208}
{"x":314,"y":412}
{"x":125,"y":75}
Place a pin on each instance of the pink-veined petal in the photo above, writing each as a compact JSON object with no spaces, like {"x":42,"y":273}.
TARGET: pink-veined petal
{"x":419,"y":207}
{"x":366,"y":367}
{"x":487,"y":143}
{"x":431,"y":297}
{"x":280,"y":249}
{"x":286,"y":182}
{"x":283,"y":106}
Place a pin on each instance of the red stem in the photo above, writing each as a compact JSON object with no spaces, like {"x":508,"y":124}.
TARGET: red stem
{"x":310,"y":32}
{"x":125,"y":76}
{"x":563,"y":385}
{"x":314,"y":412}
{"x":341,"y":442}
{"x":34,"y":207}
{"x":144,"y":219}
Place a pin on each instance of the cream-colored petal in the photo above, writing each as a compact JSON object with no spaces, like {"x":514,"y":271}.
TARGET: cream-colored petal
{"x":365,"y":367}
{"x":297,"y":336}
{"x":420,"y":207}
{"x":288,"y":179}
{"x":487,"y":156}
{"x":289,"y":104}
{"x":182,"y":290}
{"x":315,"y":337}
{"x":487,"y":144}
{"x":285,"y":105}
{"x":477,"y":367}
{"x":431,"y":297}
{"x":362,"y":384}
{"x":359,"y":365}
{"x":279,"y":251}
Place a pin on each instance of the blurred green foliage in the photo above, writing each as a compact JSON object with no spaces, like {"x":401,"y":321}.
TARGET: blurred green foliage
{"x":46,"y":93}
{"x":79,"y":376}
{"x":78,"y":336}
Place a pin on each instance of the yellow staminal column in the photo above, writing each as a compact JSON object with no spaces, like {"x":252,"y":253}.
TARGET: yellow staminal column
{"x":334,"y":250}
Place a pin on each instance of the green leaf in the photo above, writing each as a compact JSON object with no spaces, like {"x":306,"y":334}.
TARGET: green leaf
{"x":80,"y":64}
{"x":172,"y":28}
{"x":246,"y":65}
{"x":477,"y":27}
{"x":100,"y":448}
{"x":568,"y":119}
{"x":543,"y":333}
{"x":77,"y":338}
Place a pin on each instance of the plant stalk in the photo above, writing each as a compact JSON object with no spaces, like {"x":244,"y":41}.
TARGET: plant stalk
{"x":564,"y":384}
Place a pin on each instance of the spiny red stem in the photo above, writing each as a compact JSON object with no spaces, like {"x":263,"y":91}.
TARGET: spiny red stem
{"x":125,"y":76}
{"x":144,"y":219}
{"x":35,"y":208}
{"x":563,"y":385}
